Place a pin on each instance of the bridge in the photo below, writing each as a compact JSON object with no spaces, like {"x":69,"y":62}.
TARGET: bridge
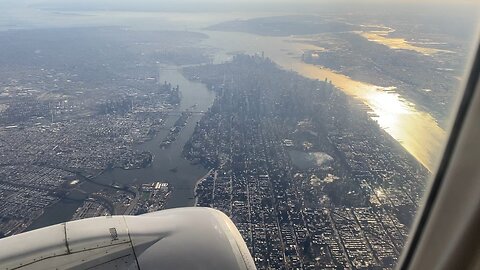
{"x":178,"y":112}
{"x":186,"y":111}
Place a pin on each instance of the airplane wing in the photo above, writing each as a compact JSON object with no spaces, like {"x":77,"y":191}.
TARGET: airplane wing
{"x":183,"y":238}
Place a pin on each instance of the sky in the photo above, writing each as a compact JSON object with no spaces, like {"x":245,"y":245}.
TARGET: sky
{"x":209,"y":5}
{"x":53,"y":13}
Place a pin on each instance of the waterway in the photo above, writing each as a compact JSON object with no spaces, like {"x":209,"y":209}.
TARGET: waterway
{"x":382,"y":37}
{"x":168,"y":165}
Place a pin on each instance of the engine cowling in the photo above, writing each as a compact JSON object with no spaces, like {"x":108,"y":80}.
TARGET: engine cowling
{"x":182,"y":238}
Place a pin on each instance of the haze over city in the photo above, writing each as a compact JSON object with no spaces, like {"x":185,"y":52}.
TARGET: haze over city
{"x":313,"y":125}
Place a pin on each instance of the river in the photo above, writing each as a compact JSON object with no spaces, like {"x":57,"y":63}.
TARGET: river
{"x":168,"y":165}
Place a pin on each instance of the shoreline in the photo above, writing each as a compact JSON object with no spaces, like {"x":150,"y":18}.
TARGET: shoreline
{"x":196,"y":186}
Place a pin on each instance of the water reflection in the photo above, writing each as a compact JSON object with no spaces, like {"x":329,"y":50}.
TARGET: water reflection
{"x":382,"y":37}
{"x":417,"y":131}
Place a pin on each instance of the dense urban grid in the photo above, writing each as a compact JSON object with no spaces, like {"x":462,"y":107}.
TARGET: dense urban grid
{"x":49,"y":145}
{"x":72,"y":110}
{"x":309,"y":179}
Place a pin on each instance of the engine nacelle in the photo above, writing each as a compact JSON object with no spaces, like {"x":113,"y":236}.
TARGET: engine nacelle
{"x":183,"y":238}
